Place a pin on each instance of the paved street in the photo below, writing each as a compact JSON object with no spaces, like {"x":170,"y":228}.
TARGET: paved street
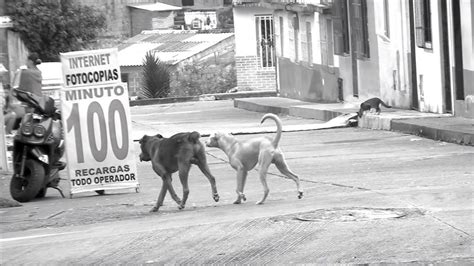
{"x":370,"y":197}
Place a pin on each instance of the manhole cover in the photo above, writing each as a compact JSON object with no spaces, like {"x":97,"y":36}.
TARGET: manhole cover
{"x":354,"y":214}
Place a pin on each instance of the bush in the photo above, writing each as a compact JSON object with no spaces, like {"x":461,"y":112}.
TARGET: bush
{"x":193,"y":80}
{"x":53,"y":27}
{"x":156,"y":78}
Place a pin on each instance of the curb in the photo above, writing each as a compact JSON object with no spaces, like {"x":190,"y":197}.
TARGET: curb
{"x":410,"y":126}
{"x":249,"y":106}
{"x":403,"y":121}
{"x":204,"y":97}
{"x":304,"y":110}
{"x":314,"y":113}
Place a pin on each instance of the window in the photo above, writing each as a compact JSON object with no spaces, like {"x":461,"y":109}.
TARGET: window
{"x":327,"y":52}
{"x":358,"y":23}
{"x":282,"y":38}
{"x":423,"y":24}
{"x":340,"y":27}
{"x":296,"y":32}
{"x":196,"y":23}
{"x":124,"y":77}
{"x":309,"y":42}
{"x":187,"y":2}
{"x":360,"y":34}
{"x":386,"y":25}
{"x":264,"y":29}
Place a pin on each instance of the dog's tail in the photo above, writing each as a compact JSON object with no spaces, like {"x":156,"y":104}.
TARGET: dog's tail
{"x":384,"y":104}
{"x":277,"y":120}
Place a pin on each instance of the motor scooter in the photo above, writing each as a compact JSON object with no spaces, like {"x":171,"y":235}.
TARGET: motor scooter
{"x":37,"y":149}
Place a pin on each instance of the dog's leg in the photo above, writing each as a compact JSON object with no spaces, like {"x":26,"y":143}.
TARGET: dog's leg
{"x":183,"y":177}
{"x":173,"y":194}
{"x":281,"y":165}
{"x":241,"y":177}
{"x":377,"y":110}
{"x":202,"y":164}
{"x":160,"y":171}
{"x":264,"y":161}
{"x":161,"y":197}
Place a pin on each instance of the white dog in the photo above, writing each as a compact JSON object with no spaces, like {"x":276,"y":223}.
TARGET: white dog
{"x":244,"y":156}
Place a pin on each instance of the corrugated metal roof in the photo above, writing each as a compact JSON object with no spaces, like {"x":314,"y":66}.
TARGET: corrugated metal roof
{"x":156,"y":7}
{"x":134,"y":54}
{"x":168,"y":37}
{"x":170,"y":46}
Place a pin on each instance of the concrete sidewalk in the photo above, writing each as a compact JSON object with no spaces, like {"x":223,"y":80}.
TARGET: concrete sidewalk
{"x":442,"y":127}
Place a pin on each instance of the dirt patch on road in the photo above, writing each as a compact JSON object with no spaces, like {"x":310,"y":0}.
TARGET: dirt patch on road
{"x":7,"y":203}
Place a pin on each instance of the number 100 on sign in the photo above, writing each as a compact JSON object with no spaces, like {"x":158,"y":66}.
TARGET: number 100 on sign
{"x":96,"y":124}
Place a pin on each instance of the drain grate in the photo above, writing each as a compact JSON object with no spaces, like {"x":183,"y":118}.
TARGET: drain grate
{"x":355,"y":214}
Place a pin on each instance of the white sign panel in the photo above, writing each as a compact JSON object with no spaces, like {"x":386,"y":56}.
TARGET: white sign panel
{"x":86,"y":68}
{"x":6,"y":22}
{"x":97,"y":124}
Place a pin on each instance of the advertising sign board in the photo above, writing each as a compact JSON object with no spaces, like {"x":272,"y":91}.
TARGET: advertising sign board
{"x":97,"y":124}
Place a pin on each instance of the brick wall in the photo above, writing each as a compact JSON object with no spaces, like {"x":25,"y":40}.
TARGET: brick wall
{"x":252,"y":77}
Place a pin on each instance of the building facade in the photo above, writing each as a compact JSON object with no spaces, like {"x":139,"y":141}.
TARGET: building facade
{"x":176,"y":48}
{"x":254,"y":53}
{"x":414,"y":54}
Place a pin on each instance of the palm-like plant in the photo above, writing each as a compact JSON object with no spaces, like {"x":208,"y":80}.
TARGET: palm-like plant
{"x":156,"y":77}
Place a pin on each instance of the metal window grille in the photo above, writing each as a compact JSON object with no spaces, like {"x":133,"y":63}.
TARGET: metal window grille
{"x":265,"y":45}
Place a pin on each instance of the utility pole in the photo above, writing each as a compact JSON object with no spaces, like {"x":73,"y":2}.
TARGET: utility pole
{"x":3,"y":150}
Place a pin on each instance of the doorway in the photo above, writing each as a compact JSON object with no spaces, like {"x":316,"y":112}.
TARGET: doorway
{"x":458,"y":63}
{"x":446,"y":59}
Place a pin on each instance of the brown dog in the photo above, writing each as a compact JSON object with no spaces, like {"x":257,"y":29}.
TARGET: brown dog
{"x":176,"y":153}
{"x":261,"y":151}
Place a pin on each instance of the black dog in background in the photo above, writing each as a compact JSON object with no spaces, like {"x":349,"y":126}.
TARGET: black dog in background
{"x":373,"y":103}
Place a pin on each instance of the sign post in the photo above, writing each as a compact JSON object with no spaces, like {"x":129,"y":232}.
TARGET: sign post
{"x":97,"y":124}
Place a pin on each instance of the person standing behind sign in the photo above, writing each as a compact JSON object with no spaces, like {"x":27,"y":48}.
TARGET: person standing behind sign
{"x":13,"y":111}
{"x":30,"y":78}
{"x":27,"y":79}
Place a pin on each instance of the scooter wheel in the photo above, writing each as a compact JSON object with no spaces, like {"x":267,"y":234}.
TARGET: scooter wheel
{"x":26,"y":189}
{"x":41,"y":193}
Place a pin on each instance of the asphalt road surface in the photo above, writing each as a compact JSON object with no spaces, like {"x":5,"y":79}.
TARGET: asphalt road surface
{"x":370,"y":197}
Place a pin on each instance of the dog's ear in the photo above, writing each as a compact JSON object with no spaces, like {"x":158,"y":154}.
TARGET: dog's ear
{"x":159,"y":136}
{"x":144,"y":139}
{"x":194,"y":136}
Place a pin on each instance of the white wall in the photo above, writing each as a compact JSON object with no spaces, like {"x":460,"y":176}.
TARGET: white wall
{"x":245,"y":31}
{"x":429,"y":66}
{"x":467,"y":24}
{"x":393,"y":53}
